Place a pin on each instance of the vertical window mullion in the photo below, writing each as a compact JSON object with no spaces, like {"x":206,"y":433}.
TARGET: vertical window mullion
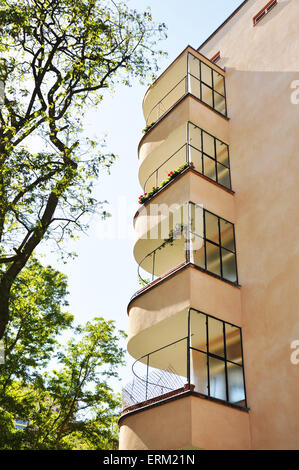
{"x":204,"y":236}
{"x":208,"y":361}
{"x":220,"y":253}
{"x":202,"y":162}
{"x":213,"y":95}
{"x":225,"y":363}
{"x":235,"y":251}
{"x":200,"y":82}
{"x":244,"y":384}
{"x":215,"y":153}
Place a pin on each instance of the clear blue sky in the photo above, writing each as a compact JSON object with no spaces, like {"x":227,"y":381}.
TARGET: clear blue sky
{"x":104,"y":275}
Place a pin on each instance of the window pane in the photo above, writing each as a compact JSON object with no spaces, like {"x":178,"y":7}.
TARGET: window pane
{"x":208,"y":144}
{"x":207,"y":95}
{"x":216,"y":340}
{"x":223,"y":175}
{"x":219,"y":103}
{"x":194,"y":66}
{"x":217,"y":378}
{"x":213,"y":258}
{"x":198,"y":336}
{"x":206,"y":74}
{"x":209,"y":167}
{"x":227,"y":235}
{"x":197,"y":251}
{"x":235,"y":383}
{"x":195,"y":136}
{"x":229,"y":265}
{"x":195,"y":158}
{"x":222,"y":153}
{"x":196,"y":222}
{"x":233,"y":344}
{"x":194,"y":86}
{"x":199,"y":375}
{"x":218,"y":83}
{"x":212,"y":228}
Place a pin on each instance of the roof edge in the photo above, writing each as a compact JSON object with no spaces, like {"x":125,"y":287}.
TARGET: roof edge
{"x":223,"y":24}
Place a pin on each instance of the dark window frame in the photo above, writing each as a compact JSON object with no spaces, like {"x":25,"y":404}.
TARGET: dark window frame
{"x":217,"y":245}
{"x":202,"y":82}
{"x":215,"y":356}
{"x":264,"y":11}
{"x":215,"y":160}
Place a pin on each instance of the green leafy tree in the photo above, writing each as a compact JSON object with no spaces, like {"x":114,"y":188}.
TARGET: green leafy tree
{"x":72,"y":406}
{"x":56,"y":59}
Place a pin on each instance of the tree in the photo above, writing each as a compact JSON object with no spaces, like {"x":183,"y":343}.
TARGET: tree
{"x":56,"y":58}
{"x":73,"y":406}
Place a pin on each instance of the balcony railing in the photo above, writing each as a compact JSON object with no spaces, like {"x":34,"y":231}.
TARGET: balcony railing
{"x":198,"y":237}
{"x":208,"y":360}
{"x":200,"y":80}
{"x":208,"y":154}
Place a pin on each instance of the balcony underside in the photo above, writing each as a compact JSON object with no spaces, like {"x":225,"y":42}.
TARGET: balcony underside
{"x":184,"y":422}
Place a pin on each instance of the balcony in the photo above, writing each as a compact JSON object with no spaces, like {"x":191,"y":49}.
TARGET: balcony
{"x":190,"y":73}
{"x":187,"y":144}
{"x":188,"y":234}
{"x":204,"y":357}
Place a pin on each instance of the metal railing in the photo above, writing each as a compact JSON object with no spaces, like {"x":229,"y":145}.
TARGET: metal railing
{"x":153,"y":382}
{"x":168,"y":100}
{"x":161,"y":172}
{"x":149,"y":261}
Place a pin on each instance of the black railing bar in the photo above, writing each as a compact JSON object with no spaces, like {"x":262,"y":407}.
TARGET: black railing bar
{"x":216,"y":357}
{"x":165,"y":161}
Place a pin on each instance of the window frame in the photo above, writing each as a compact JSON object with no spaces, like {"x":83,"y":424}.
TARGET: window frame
{"x":205,"y":154}
{"x":217,"y":245}
{"x":264,"y":11}
{"x":223,"y":358}
{"x":202,"y":82}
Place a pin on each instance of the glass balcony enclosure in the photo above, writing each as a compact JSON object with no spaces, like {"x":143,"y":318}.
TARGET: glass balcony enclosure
{"x":196,"y":236}
{"x":188,"y":74}
{"x":207,"y":359}
{"x":189,"y":143}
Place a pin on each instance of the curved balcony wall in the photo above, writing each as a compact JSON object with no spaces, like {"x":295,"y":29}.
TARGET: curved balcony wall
{"x":188,"y":144}
{"x":189,"y":73}
{"x":168,"y":138}
{"x":204,"y":355}
{"x":188,"y":234}
{"x":188,"y":186}
{"x":198,"y":424}
{"x":157,"y":314}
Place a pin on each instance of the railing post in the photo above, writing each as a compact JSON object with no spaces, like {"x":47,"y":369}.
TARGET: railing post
{"x":188,"y":147}
{"x":188,"y":351}
{"x":188,"y":234}
{"x":153,"y":273}
{"x":187,"y":87}
{"x":157,"y":177}
{"x":146,"y":385}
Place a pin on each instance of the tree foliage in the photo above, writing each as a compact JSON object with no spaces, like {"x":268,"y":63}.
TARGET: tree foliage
{"x":56,"y":58}
{"x":72,"y":406}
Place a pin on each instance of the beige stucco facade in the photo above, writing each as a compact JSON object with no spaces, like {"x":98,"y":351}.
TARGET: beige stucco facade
{"x":260,"y":63}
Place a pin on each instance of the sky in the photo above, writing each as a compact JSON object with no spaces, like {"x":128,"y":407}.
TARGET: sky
{"x":103,"y":276}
